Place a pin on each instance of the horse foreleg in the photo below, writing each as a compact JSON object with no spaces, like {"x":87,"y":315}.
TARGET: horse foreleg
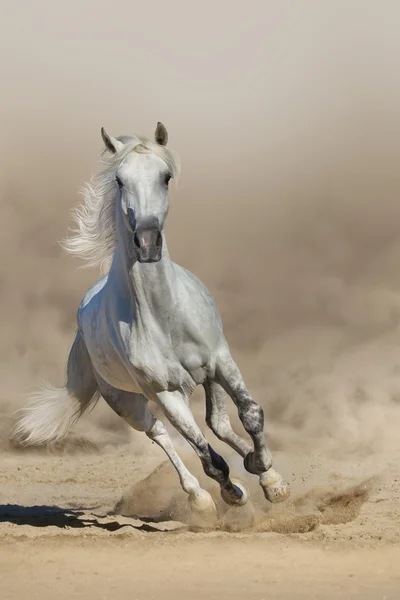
{"x":217,"y":419}
{"x":199,"y":499}
{"x":258,"y":461}
{"x":176,"y":409}
{"x":133,"y":408}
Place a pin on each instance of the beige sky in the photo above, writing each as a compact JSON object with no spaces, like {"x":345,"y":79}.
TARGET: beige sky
{"x":289,"y":80}
{"x":286,"y":117}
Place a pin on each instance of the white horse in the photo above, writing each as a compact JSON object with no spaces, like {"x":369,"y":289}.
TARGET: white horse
{"x":149,"y":330}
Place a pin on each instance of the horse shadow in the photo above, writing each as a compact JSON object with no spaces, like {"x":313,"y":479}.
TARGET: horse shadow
{"x":63,"y":518}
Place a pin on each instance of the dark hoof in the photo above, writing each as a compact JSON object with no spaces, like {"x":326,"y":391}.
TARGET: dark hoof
{"x":249,"y":464}
{"x":237,"y":496}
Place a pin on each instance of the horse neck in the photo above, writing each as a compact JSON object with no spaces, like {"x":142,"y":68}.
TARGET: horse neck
{"x":151,"y":286}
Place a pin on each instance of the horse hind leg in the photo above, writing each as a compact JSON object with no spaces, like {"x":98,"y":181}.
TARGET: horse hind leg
{"x":133,"y":408}
{"x":50,"y":412}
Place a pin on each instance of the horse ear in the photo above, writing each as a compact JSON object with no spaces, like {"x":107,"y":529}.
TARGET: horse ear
{"x":112,"y":144}
{"x":161,"y":134}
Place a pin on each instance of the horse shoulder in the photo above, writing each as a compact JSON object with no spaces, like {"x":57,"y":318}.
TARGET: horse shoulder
{"x":199,"y":299}
{"x":91,"y":297}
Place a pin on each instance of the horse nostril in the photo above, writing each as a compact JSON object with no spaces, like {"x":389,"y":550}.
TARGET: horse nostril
{"x":136,"y":240}
{"x":159,"y":239}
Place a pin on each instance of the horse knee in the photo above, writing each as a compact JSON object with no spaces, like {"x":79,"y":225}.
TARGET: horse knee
{"x":252,"y":417}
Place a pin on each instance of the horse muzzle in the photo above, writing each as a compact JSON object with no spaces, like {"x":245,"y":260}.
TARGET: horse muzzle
{"x":148,"y":243}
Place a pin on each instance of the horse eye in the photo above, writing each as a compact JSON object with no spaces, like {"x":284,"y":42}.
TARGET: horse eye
{"x":119,"y":182}
{"x":167,"y":178}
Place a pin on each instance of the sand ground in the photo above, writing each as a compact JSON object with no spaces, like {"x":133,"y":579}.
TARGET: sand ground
{"x":63,"y":533}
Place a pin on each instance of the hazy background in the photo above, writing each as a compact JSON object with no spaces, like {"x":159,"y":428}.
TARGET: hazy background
{"x":286,"y":118}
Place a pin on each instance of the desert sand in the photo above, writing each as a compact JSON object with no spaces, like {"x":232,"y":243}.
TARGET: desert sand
{"x":110,"y":521}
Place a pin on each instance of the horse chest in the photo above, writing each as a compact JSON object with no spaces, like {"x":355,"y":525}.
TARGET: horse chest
{"x":153,"y":360}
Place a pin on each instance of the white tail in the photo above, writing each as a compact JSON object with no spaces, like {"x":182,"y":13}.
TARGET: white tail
{"x":50,"y":412}
{"x":47,"y":416}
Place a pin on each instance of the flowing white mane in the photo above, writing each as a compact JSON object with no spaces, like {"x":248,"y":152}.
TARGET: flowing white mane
{"x":94,"y":237}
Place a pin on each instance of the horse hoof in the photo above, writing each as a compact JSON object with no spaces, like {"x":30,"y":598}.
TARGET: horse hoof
{"x":201,"y":502}
{"x":239,"y":496}
{"x":204,"y":516}
{"x":275,"y":488}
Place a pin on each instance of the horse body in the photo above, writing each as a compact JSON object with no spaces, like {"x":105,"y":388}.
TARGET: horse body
{"x":157,"y":340}
{"x":150,"y":330}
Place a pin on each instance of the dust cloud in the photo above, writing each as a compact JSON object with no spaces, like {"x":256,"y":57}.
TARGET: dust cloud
{"x":287,"y":124}
{"x":159,"y":498}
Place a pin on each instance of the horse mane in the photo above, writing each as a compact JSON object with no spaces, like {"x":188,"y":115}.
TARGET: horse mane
{"x":94,"y":236}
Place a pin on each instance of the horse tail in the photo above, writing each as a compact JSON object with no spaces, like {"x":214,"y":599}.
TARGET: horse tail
{"x":50,"y":412}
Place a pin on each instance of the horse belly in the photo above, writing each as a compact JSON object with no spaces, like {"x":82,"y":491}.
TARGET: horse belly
{"x":114,"y":372}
